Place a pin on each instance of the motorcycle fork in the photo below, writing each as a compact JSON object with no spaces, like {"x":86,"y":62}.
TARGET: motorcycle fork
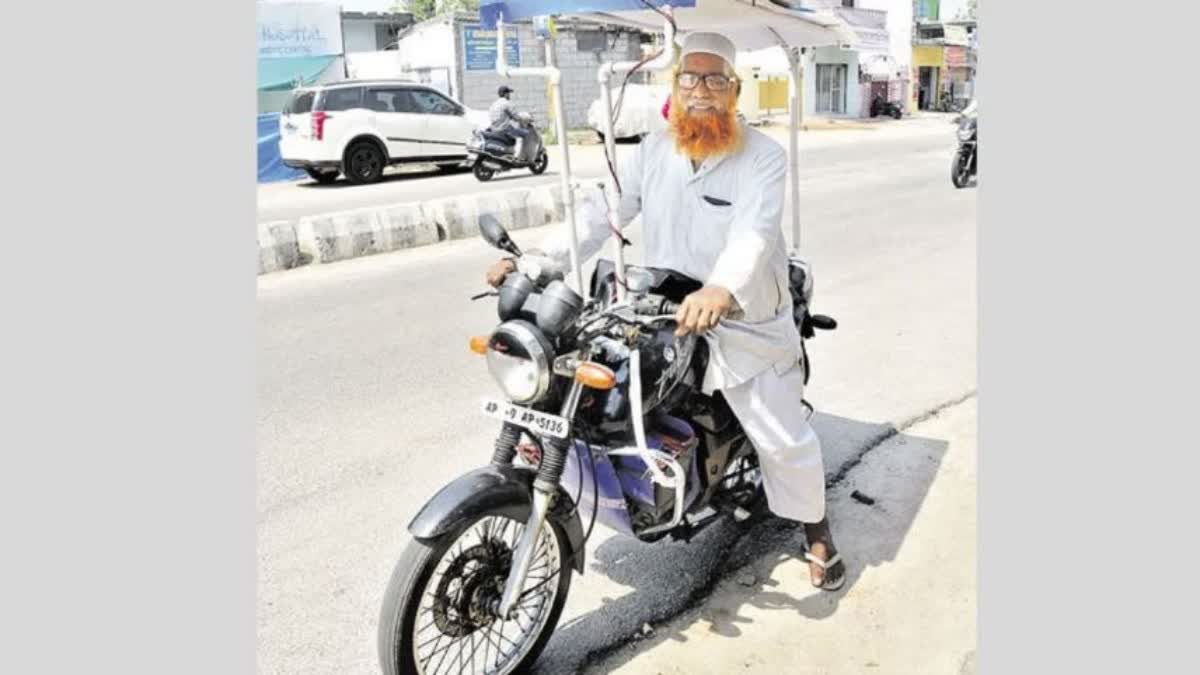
{"x":554,"y":458}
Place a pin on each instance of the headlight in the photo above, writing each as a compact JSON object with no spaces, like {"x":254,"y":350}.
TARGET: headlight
{"x":966,"y":130}
{"x":518,"y":358}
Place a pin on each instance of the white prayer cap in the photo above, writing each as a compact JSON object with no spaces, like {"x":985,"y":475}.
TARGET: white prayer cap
{"x":709,"y":43}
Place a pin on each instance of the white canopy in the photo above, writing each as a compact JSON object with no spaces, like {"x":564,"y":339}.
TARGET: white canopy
{"x":750,"y":24}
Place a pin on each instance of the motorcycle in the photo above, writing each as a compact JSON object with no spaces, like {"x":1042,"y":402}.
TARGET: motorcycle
{"x":881,"y":106}
{"x":602,"y":419}
{"x":966,"y":157}
{"x":492,"y":152}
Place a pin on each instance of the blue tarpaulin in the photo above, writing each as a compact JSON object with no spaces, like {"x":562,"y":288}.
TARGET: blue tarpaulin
{"x":270,"y":165}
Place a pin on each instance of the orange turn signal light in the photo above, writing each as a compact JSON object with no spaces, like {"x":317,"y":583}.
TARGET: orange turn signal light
{"x":595,"y":376}
{"x":479,"y":344}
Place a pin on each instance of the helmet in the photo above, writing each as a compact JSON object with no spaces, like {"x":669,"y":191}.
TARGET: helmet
{"x":504,"y":90}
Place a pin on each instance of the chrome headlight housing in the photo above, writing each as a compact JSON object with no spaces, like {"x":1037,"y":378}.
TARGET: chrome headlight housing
{"x":519,"y":359}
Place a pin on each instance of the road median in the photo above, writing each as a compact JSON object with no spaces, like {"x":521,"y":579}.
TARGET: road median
{"x":344,"y":235}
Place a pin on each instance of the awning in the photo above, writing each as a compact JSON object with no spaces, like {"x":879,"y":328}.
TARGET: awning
{"x":281,"y":74}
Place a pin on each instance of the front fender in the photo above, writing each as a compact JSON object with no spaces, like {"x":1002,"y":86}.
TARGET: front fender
{"x":502,"y":489}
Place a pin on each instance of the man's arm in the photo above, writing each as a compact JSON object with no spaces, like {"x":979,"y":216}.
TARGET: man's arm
{"x":510,"y":111}
{"x":753,"y":232}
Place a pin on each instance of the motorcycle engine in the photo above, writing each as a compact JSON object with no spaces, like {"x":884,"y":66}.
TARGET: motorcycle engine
{"x":671,"y":367}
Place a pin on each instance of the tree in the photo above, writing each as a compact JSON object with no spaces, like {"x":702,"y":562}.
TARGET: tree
{"x":422,"y":9}
{"x":425,"y":9}
{"x":458,"y":6}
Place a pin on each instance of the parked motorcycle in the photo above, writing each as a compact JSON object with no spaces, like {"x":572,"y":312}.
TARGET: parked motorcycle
{"x":492,"y":152}
{"x":602,"y":419}
{"x":966,"y":157}
{"x":881,"y":106}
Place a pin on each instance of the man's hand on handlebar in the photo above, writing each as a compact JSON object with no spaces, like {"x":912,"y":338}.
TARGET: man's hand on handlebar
{"x":702,"y":310}
{"x":499,"y":270}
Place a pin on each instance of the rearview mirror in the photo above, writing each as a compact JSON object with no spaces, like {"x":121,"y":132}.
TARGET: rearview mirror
{"x":494,"y":233}
{"x":638,"y":280}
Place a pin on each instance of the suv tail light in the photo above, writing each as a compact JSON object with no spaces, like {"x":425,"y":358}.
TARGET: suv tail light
{"x":318,"y":125}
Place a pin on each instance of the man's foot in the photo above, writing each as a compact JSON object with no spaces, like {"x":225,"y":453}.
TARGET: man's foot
{"x":825,"y":566}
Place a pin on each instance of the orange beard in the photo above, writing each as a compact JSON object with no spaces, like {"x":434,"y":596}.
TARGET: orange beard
{"x":702,"y":135}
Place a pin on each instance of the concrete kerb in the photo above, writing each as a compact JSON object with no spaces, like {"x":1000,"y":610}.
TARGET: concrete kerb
{"x":332,"y":237}
{"x":277,"y":246}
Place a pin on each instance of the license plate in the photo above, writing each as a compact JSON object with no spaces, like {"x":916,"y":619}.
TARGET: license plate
{"x":540,"y":422}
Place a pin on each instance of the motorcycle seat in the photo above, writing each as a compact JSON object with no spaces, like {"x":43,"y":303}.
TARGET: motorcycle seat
{"x":499,"y":137}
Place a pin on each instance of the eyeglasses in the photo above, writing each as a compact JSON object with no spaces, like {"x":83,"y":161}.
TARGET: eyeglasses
{"x":714,"y":81}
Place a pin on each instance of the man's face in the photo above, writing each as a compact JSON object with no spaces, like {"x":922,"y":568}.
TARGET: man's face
{"x":700,"y":100}
{"x":703,"y":119}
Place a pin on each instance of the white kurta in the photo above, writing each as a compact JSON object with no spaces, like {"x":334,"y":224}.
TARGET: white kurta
{"x":733,"y":239}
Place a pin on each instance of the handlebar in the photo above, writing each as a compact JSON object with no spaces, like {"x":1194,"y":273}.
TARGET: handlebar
{"x":655,"y":305}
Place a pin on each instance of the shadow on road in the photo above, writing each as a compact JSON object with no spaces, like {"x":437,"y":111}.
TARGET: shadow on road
{"x":667,"y":578}
{"x":402,"y":176}
{"x":392,"y":176}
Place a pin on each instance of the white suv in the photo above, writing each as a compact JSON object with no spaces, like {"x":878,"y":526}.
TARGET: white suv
{"x":358,"y":127}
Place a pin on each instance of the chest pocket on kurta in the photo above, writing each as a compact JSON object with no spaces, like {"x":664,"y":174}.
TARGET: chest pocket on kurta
{"x":716,"y":206}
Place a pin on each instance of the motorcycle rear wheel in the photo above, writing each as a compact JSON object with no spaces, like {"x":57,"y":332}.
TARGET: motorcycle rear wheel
{"x":440,"y":589}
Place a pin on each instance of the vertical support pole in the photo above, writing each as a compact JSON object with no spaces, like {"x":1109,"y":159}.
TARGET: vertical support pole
{"x":560,"y":125}
{"x":797,"y":77}
{"x":610,"y":186}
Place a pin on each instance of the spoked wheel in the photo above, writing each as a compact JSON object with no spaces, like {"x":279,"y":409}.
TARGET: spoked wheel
{"x":439,"y":610}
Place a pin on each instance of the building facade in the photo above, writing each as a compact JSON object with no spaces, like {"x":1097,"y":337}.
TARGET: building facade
{"x":943,"y":59}
{"x":456,"y":50}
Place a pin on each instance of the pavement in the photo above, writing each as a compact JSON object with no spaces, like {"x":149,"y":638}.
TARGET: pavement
{"x":365,"y":391}
{"x":303,"y":223}
{"x":905,"y":518}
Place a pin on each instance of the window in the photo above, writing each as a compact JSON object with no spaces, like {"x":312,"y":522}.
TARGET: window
{"x":341,"y":99}
{"x":831,"y":88}
{"x":387,"y":100}
{"x":432,"y":103}
{"x":300,"y":102}
{"x":848,"y":3}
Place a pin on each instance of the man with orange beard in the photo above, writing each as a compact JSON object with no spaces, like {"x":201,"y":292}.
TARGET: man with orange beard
{"x":710,"y":191}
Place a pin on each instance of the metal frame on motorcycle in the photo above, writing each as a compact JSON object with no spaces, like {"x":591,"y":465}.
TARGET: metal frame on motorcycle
{"x":665,"y":60}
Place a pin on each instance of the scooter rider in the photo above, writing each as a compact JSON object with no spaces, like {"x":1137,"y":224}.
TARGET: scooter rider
{"x":504,"y":118}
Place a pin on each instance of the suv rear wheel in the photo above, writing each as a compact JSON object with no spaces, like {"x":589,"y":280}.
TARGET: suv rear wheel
{"x":364,"y":163}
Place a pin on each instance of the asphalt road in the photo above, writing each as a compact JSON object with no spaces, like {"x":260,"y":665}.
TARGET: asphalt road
{"x":368,"y":400}
{"x":290,"y":200}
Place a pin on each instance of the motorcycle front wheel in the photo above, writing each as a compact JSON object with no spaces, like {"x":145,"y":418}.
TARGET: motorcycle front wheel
{"x":539,"y":165}
{"x":437,"y":611}
{"x":482,"y":173}
{"x":959,"y":171}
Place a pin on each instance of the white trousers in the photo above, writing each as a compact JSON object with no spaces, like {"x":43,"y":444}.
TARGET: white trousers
{"x":770,"y":409}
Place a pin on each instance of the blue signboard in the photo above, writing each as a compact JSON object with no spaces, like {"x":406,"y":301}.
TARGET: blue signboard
{"x":480,"y":47}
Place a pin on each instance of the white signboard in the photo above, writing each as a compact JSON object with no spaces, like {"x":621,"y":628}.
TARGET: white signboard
{"x":296,"y":29}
